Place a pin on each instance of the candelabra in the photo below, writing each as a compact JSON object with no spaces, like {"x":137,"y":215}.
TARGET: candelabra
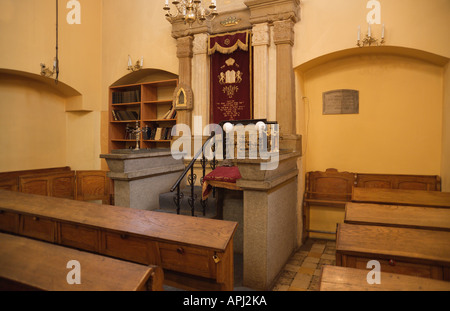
{"x":137,"y":131}
{"x":46,"y":72}
{"x":369,"y":40}
{"x":191,"y":11}
{"x":138,"y":66}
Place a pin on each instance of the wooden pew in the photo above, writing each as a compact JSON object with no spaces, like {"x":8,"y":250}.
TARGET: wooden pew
{"x":334,"y":278}
{"x":396,"y":181}
{"x":10,"y":180}
{"x":60,"y":182}
{"x":195,"y":253}
{"x":330,"y":189}
{"x":27,"y":264}
{"x":401,"y":197}
{"x":423,"y":253}
{"x":326,"y":194}
{"x":431,"y":218}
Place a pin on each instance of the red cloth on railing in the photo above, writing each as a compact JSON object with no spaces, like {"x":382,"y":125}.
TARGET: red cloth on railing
{"x":223,"y":174}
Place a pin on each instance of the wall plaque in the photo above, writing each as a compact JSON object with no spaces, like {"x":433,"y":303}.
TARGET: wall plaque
{"x":341,"y":102}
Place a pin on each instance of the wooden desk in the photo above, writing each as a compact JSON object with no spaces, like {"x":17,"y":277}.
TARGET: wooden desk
{"x":423,"y":253}
{"x":401,"y":197}
{"x":34,"y":265}
{"x":418,"y":217}
{"x":195,"y":253}
{"x":347,"y":279}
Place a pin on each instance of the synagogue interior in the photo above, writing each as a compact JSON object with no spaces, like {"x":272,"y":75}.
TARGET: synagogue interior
{"x":225,"y":145}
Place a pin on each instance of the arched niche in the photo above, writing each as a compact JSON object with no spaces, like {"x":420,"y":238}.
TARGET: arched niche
{"x":401,"y":92}
{"x":375,"y":50}
{"x":73,"y":98}
{"x":145,"y":75}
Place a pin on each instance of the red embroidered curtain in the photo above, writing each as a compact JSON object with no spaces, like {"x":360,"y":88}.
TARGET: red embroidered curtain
{"x":231,"y":77}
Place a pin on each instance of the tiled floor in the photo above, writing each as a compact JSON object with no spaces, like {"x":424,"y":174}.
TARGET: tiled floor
{"x":302,"y":272}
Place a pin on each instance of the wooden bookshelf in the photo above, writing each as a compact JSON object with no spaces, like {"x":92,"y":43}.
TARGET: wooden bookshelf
{"x":146,"y":105}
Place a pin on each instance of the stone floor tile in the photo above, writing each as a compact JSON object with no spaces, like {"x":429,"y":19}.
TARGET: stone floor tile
{"x":296,"y":289}
{"x":311,"y":259}
{"x":293,"y":268}
{"x":302,"y":280}
{"x":304,"y":270}
{"x":309,"y":265}
{"x":316,"y":255}
{"x":318,"y":248}
{"x":328,"y":256}
{"x":281,"y":288}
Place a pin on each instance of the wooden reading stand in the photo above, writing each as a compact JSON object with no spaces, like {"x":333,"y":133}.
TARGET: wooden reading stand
{"x":401,"y":197}
{"x":423,"y":253}
{"x":431,"y":218}
{"x":195,"y":253}
{"x":27,"y":264}
{"x":335,"y":278}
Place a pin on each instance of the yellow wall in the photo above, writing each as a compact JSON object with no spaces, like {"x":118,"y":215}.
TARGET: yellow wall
{"x":32,"y":123}
{"x":329,"y":26}
{"x":28,"y":36}
{"x":445,"y":169}
{"x":139,"y":30}
{"x":398,"y":128}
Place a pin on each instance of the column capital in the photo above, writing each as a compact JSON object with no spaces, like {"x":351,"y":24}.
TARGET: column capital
{"x":200,"y":44}
{"x":261,"y":34}
{"x":283,"y":32}
{"x":262,"y":11}
{"x":184,"y":47}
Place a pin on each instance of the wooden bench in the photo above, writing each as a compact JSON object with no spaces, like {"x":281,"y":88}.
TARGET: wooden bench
{"x":10,"y":180}
{"x":423,"y":253}
{"x":329,"y":191}
{"x":195,"y":253}
{"x":27,"y":264}
{"x":60,"y":182}
{"x":334,"y":278}
{"x":401,"y":197}
{"x":418,"y":217}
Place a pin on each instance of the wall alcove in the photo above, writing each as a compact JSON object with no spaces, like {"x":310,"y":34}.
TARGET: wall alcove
{"x":398,"y":129}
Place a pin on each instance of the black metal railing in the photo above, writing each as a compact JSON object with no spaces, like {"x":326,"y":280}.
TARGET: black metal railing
{"x":191,"y":178}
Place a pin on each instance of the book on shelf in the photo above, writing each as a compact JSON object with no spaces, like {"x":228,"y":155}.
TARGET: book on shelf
{"x":125,"y":115}
{"x":123,"y":97}
{"x":159,"y":133}
{"x":171,"y":114}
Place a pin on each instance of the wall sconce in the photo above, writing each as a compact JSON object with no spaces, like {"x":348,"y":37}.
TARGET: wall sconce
{"x":46,"y":72}
{"x":138,"y":66}
{"x":368,"y":39}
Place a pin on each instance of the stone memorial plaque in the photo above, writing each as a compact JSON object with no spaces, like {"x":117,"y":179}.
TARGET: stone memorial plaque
{"x":341,"y":102}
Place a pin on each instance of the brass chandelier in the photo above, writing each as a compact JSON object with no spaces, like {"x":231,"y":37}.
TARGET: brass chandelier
{"x":191,"y":11}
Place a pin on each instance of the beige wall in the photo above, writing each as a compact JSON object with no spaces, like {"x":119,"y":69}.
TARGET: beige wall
{"x":398,"y":128}
{"x":402,"y":85}
{"x":32,"y":121}
{"x":27,"y":33}
{"x":445,"y":168}
{"x":330,"y":26}
{"x":94,"y":55}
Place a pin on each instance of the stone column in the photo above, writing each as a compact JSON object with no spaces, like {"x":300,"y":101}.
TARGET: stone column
{"x":184,"y":54}
{"x":261,"y":42}
{"x":285,"y":88}
{"x":200,"y":80}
